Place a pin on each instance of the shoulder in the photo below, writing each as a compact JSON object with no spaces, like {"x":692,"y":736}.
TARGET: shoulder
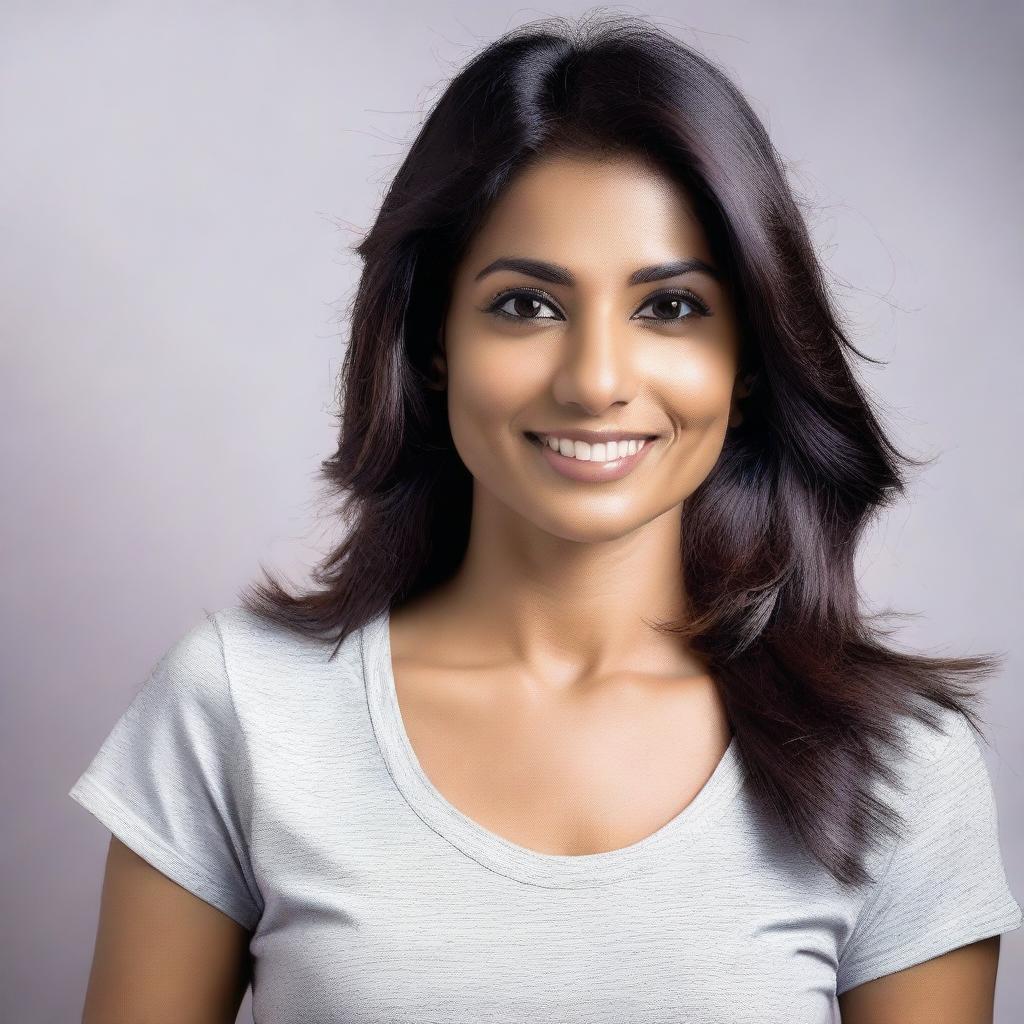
{"x":265,"y":662}
{"x":189,"y":674}
{"x":926,"y":748}
{"x":955,"y":787}
{"x":945,"y":804}
{"x":925,"y":741}
{"x":232,"y":641}
{"x":918,"y":784}
{"x":953,"y":750}
{"x":942,"y":883}
{"x":242,"y":631}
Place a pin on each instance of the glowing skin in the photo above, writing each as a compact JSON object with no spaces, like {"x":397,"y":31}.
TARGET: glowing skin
{"x":535,"y":654}
{"x":597,"y":368}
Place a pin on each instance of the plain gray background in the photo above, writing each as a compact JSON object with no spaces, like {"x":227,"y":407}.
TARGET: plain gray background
{"x":179,"y":184}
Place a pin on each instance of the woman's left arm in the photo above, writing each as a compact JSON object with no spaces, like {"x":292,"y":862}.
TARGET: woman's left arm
{"x":955,"y":988}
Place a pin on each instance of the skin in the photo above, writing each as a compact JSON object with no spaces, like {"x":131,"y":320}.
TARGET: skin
{"x":533,"y":692}
{"x":958,"y":986}
{"x":162,"y":954}
{"x":538,"y":720}
{"x":551,"y":687}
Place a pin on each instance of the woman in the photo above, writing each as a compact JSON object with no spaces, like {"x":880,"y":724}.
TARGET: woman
{"x":584,"y":722}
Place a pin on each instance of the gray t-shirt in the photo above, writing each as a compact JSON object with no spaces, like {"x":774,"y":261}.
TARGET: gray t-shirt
{"x":281,"y":788}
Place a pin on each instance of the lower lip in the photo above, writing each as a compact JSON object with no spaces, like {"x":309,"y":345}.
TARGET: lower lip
{"x":577,"y":469}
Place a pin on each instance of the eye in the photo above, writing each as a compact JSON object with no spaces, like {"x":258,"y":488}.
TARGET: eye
{"x":671,"y":303}
{"x":526,"y":305}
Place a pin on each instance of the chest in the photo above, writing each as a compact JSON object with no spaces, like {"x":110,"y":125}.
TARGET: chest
{"x":383,"y":906}
{"x":567,"y":774}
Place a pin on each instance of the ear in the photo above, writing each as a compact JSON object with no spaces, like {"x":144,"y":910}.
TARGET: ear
{"x":438,"y":378}
{"x":438,"y":372}
{"x":741,"y":389}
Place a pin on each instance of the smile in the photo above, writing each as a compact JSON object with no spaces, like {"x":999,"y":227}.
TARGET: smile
{"x":628,"y":455}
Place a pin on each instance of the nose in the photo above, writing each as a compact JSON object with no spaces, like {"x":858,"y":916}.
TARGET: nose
{"x":596,"y":364}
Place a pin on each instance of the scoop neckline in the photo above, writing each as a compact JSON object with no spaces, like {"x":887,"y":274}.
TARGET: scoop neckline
{"x":496,"y":852}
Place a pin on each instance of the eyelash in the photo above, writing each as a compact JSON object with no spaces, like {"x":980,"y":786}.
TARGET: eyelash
{"x":499,"y":300}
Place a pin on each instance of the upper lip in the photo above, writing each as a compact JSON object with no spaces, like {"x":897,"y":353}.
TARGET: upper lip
{"x":595,"y":436}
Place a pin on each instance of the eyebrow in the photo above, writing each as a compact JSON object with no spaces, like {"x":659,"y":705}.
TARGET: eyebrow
{"x":555,"y":274}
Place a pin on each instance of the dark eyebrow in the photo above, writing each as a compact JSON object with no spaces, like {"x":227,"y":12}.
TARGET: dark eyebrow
{"x":555,"y":274}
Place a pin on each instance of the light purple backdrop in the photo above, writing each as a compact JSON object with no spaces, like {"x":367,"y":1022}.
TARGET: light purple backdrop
{"x":178,"y":183}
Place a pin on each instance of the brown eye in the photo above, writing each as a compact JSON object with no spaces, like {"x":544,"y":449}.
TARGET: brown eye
{"x":669,"y":305}
{"x":525,"y":305}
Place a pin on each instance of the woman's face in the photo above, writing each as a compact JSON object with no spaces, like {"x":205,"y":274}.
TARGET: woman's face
{"x":582,"y":347}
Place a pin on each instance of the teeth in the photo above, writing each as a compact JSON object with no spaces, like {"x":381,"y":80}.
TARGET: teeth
{"x":607,"y":452}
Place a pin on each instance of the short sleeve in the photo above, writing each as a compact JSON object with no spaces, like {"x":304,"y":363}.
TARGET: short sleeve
{"x":171,"y":779}
{"x":945,"y":885}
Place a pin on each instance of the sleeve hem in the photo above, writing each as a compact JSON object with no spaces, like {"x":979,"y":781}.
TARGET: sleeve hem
{"x":932,"y":945}
{"x":137,"y":835}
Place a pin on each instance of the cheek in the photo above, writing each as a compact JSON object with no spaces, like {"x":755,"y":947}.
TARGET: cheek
{"x":489,"y":383}
{"x":697,"y":393}
{"x":697,"y":388}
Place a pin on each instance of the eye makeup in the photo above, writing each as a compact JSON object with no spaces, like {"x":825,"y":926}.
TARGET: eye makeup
{"x":493,"y":307}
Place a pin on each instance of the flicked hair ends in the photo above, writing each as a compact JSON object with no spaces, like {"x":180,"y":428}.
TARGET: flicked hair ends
{"x":813,"y":690}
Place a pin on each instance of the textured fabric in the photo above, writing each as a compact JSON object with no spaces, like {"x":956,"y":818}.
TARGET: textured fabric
{"x":281,"y":787}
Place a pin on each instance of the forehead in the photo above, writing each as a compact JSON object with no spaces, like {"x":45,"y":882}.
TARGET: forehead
{"x":592,"y":214}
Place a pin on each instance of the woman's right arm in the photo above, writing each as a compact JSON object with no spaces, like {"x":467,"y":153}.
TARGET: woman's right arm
{"x":162,"y":953}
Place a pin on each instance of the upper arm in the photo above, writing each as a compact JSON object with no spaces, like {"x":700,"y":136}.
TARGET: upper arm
{"x":162,"y":953}
{"x":955,"y":988}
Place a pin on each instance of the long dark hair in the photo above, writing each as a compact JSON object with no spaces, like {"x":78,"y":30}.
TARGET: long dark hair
{"x":767,"y":550}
